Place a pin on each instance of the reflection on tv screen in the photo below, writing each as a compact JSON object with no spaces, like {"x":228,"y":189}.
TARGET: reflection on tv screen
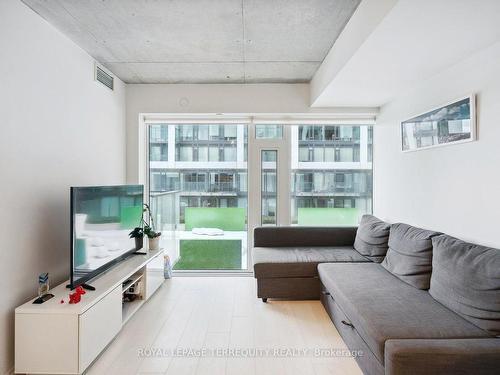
{"x":102,"y":218}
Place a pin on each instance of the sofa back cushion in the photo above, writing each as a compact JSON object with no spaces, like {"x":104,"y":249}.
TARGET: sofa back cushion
{"x":466,"y":279}
{"x":372,"y":237}
{"x":410,"y":254}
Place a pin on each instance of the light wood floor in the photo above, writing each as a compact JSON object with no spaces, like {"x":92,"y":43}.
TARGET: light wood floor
{"x":217,"y":313}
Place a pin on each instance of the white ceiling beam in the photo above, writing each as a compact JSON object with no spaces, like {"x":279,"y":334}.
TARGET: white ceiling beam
{"x":412,"y":43}
{"x":364,"y":21}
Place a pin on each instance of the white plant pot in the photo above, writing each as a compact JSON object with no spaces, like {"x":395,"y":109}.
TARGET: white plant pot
{"x":154,"y":243}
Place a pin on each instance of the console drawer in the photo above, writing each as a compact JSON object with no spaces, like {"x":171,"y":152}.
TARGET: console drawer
{"x":98,"y":326}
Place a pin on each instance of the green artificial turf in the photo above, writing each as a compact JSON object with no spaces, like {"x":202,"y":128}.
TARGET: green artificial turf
{"x":225,"y":218}
{"x":327,"y":216}
{"x":209,"y":255}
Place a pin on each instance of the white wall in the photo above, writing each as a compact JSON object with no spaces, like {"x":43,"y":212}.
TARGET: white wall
{"x":58,"y":128}
{"x":454,"y":189}
{"x":215,"y":98}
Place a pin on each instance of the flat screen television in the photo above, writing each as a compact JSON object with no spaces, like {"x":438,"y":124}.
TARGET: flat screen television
{"x":101,"y":219}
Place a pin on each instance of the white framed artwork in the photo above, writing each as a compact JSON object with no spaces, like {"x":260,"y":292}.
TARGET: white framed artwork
{"x":451,"y":123}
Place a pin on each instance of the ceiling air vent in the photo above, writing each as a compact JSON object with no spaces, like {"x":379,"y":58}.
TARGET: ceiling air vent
{"x":101,"y":76}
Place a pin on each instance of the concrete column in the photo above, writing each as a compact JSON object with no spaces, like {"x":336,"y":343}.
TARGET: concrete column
{"x":171,"y":146}
{"x":363,"y":146}
{"x":294,"y":144}
{"x":240,"y":145}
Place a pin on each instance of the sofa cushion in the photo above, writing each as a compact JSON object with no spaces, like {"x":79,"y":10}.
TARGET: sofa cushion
{"x":299,"y":261}
{"x":301,"y":236}
{"x":457,"y":356}
{"x":382,"y":307}
{"x":466,"y":279}
{"x":372,"y":237}
{"x":410,"y":254}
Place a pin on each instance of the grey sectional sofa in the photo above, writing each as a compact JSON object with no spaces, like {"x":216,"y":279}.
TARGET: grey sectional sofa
{"x":431,"y":305}
{"x":285,"y":259}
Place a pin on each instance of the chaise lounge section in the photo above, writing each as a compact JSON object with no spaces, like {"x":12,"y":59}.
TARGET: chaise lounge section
{"x":286,"y":259}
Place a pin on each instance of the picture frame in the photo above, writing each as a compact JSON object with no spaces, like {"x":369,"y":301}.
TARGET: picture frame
{"x":449,"y":124}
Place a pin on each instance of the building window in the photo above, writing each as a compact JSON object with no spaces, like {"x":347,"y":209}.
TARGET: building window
{"x":158,"y":152}
{"x":230,"y":132}
{"x":213,"y":132}
{"x":229,"y":153}
{"x":158,"y":138}
{"x":269,"y":131}
{"x":185,"y":133}
{"x":185,"y":153}
{"x":213,"y":153}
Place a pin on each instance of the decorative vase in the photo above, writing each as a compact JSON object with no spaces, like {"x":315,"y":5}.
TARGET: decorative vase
{"x":154,"y":243}
{"x":139,"y":242}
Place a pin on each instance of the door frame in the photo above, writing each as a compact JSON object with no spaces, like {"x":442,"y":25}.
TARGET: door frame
{"x":255,"y":148}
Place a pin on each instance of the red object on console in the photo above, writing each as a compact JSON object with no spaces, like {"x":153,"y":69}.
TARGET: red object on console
{"x":77,"y":295}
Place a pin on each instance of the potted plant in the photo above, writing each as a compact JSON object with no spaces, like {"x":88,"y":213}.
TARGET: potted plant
{"x":149,"y":230}
{"x":138,"y":235}
{"x":154,"y":238}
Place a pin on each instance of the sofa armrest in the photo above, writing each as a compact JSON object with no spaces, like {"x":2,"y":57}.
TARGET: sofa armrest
{"x":442,"y":356}
{"x":304,"y":236}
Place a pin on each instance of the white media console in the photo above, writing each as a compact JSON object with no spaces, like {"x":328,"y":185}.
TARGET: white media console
{"x":63,"y":338}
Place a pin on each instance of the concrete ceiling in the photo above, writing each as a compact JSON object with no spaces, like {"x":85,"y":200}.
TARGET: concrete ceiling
{"x":202,"y":41}
{"x":415,"y":41}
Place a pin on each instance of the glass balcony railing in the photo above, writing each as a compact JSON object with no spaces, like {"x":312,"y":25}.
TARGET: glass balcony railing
{"x":310,"y":187}
{"x":165,"y":208}
{"x":205,"y":187}
{"x":224,"y":187}
{"x":194,"y":186}
{"x":186,"y":234}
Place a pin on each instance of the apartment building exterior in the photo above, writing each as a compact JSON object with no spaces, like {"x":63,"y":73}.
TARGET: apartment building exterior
{"x":331,"y":167}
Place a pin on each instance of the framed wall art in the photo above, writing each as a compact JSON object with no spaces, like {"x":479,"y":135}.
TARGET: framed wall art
{"x":450,"y":124}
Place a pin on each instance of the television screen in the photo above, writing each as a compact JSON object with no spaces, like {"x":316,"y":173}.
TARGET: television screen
{"x":101,"y":219}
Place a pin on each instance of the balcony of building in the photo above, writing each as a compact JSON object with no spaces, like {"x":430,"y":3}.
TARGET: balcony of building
{"x":200,"y":238}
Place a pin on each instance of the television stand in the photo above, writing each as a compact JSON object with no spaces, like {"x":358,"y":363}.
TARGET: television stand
{"x":84,"y":286}
{"x":87,"y":287}
{"x":63,"y":338}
